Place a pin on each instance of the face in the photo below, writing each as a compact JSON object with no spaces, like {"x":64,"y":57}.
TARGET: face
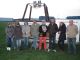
{"x":71,"y":22}
{"x":13,"y":24}
{"x":34,"y":21}
{"x":52,"y":21}
{"x":61,"y":23}
{"x":9,"y":24}
{"x":43,"y":22}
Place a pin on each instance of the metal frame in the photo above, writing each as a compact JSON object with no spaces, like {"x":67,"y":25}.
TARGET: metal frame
{"x":31,"y":6}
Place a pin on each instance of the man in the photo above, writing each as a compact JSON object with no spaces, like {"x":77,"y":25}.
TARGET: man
{"x":18,"y":35}
{"x":9,"y":35}
{"x":26,"y":33}
{"x":72,"y":31}
{"x":43,"y":35}
{"x":52,"y":30}
{"x":35,"y":33}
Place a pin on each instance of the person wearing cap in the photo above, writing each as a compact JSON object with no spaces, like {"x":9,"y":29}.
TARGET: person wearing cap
{"x":34,"y":33}
{"x":42,"y":35}
{"x":26,"y":34}
{"x":52,"y":30}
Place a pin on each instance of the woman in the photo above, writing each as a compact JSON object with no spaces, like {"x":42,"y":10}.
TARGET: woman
{"x":62,"y":35}
{"x":43,"y":35}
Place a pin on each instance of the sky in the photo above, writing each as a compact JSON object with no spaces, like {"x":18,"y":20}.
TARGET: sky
{"x":57,"y":8}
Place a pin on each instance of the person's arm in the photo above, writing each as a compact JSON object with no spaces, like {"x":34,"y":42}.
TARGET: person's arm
{"x":6,"y":30}
{"x":28,"y":31}
{"x":31,"y":31}
{"x":56,"y":28}
{"x":47,"y":34}
{"x":63,"y":30}
{"x":59,"y":30}
{"x":67,"y":30}
{"x":76,"y":29}
{"x":23,"y":30}
{"x":40,"y":31}
{"x":48,"y":28}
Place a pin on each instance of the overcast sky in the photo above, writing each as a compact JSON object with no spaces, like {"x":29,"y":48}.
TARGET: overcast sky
{"x":57,"y":8}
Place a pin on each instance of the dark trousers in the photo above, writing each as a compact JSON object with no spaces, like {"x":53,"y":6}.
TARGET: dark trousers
{"x":79,"y":38}
{"x":61,"y":44}
{"x":71,"y":45}
{"x":9,"y":42}
{"x":52,"y":40}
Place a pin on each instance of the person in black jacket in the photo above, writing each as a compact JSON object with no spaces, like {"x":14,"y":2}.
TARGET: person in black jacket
{"x":42,"y":34}
{"x":62,"y":35}
{"x":52,"y":30}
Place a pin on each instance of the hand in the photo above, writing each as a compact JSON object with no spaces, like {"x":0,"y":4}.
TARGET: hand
{"x":47,"y":34}
{"x":41,"y":35}
{"x":25,"y":33}
{"x":59,"y":32}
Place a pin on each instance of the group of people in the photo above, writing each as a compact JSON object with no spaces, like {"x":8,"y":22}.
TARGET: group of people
{"x":17,"y":36}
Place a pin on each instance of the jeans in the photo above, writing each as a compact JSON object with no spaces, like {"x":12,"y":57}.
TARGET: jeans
{"x":13,"y":42}
{"x":25,"y":41}
{"x":9,"y":41}
{"x":34,"y":44}
{"x":71,"y":45}
{"x":52,"y":41}
{"x":79,"y":38}
{"x":18,"y":43}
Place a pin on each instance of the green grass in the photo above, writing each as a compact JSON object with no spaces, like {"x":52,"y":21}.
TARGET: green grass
{"x":31,"y":54}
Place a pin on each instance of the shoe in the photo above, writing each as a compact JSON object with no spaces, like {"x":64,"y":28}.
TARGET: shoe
{"x":35,"y":48}
{"x":48,"y":50}
{"x":8,"y":48}
{"x":54,"y":50}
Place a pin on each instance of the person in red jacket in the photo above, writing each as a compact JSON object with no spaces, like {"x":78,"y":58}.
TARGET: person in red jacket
{"x":42,"y":34}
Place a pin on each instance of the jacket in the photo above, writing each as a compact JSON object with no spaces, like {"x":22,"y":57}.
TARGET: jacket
{"x":62,"y":30}
{"x":26,"y":30}
{"x":35,"y":29}
{"x":43,"y":30}
{"x":9,"y":31}
{"x":52,"y":29}
{"x":18,"y":32}
{"x":72,"y":31}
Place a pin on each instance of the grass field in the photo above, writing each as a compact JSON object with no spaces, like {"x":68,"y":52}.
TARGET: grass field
{"x":31,"y":54}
